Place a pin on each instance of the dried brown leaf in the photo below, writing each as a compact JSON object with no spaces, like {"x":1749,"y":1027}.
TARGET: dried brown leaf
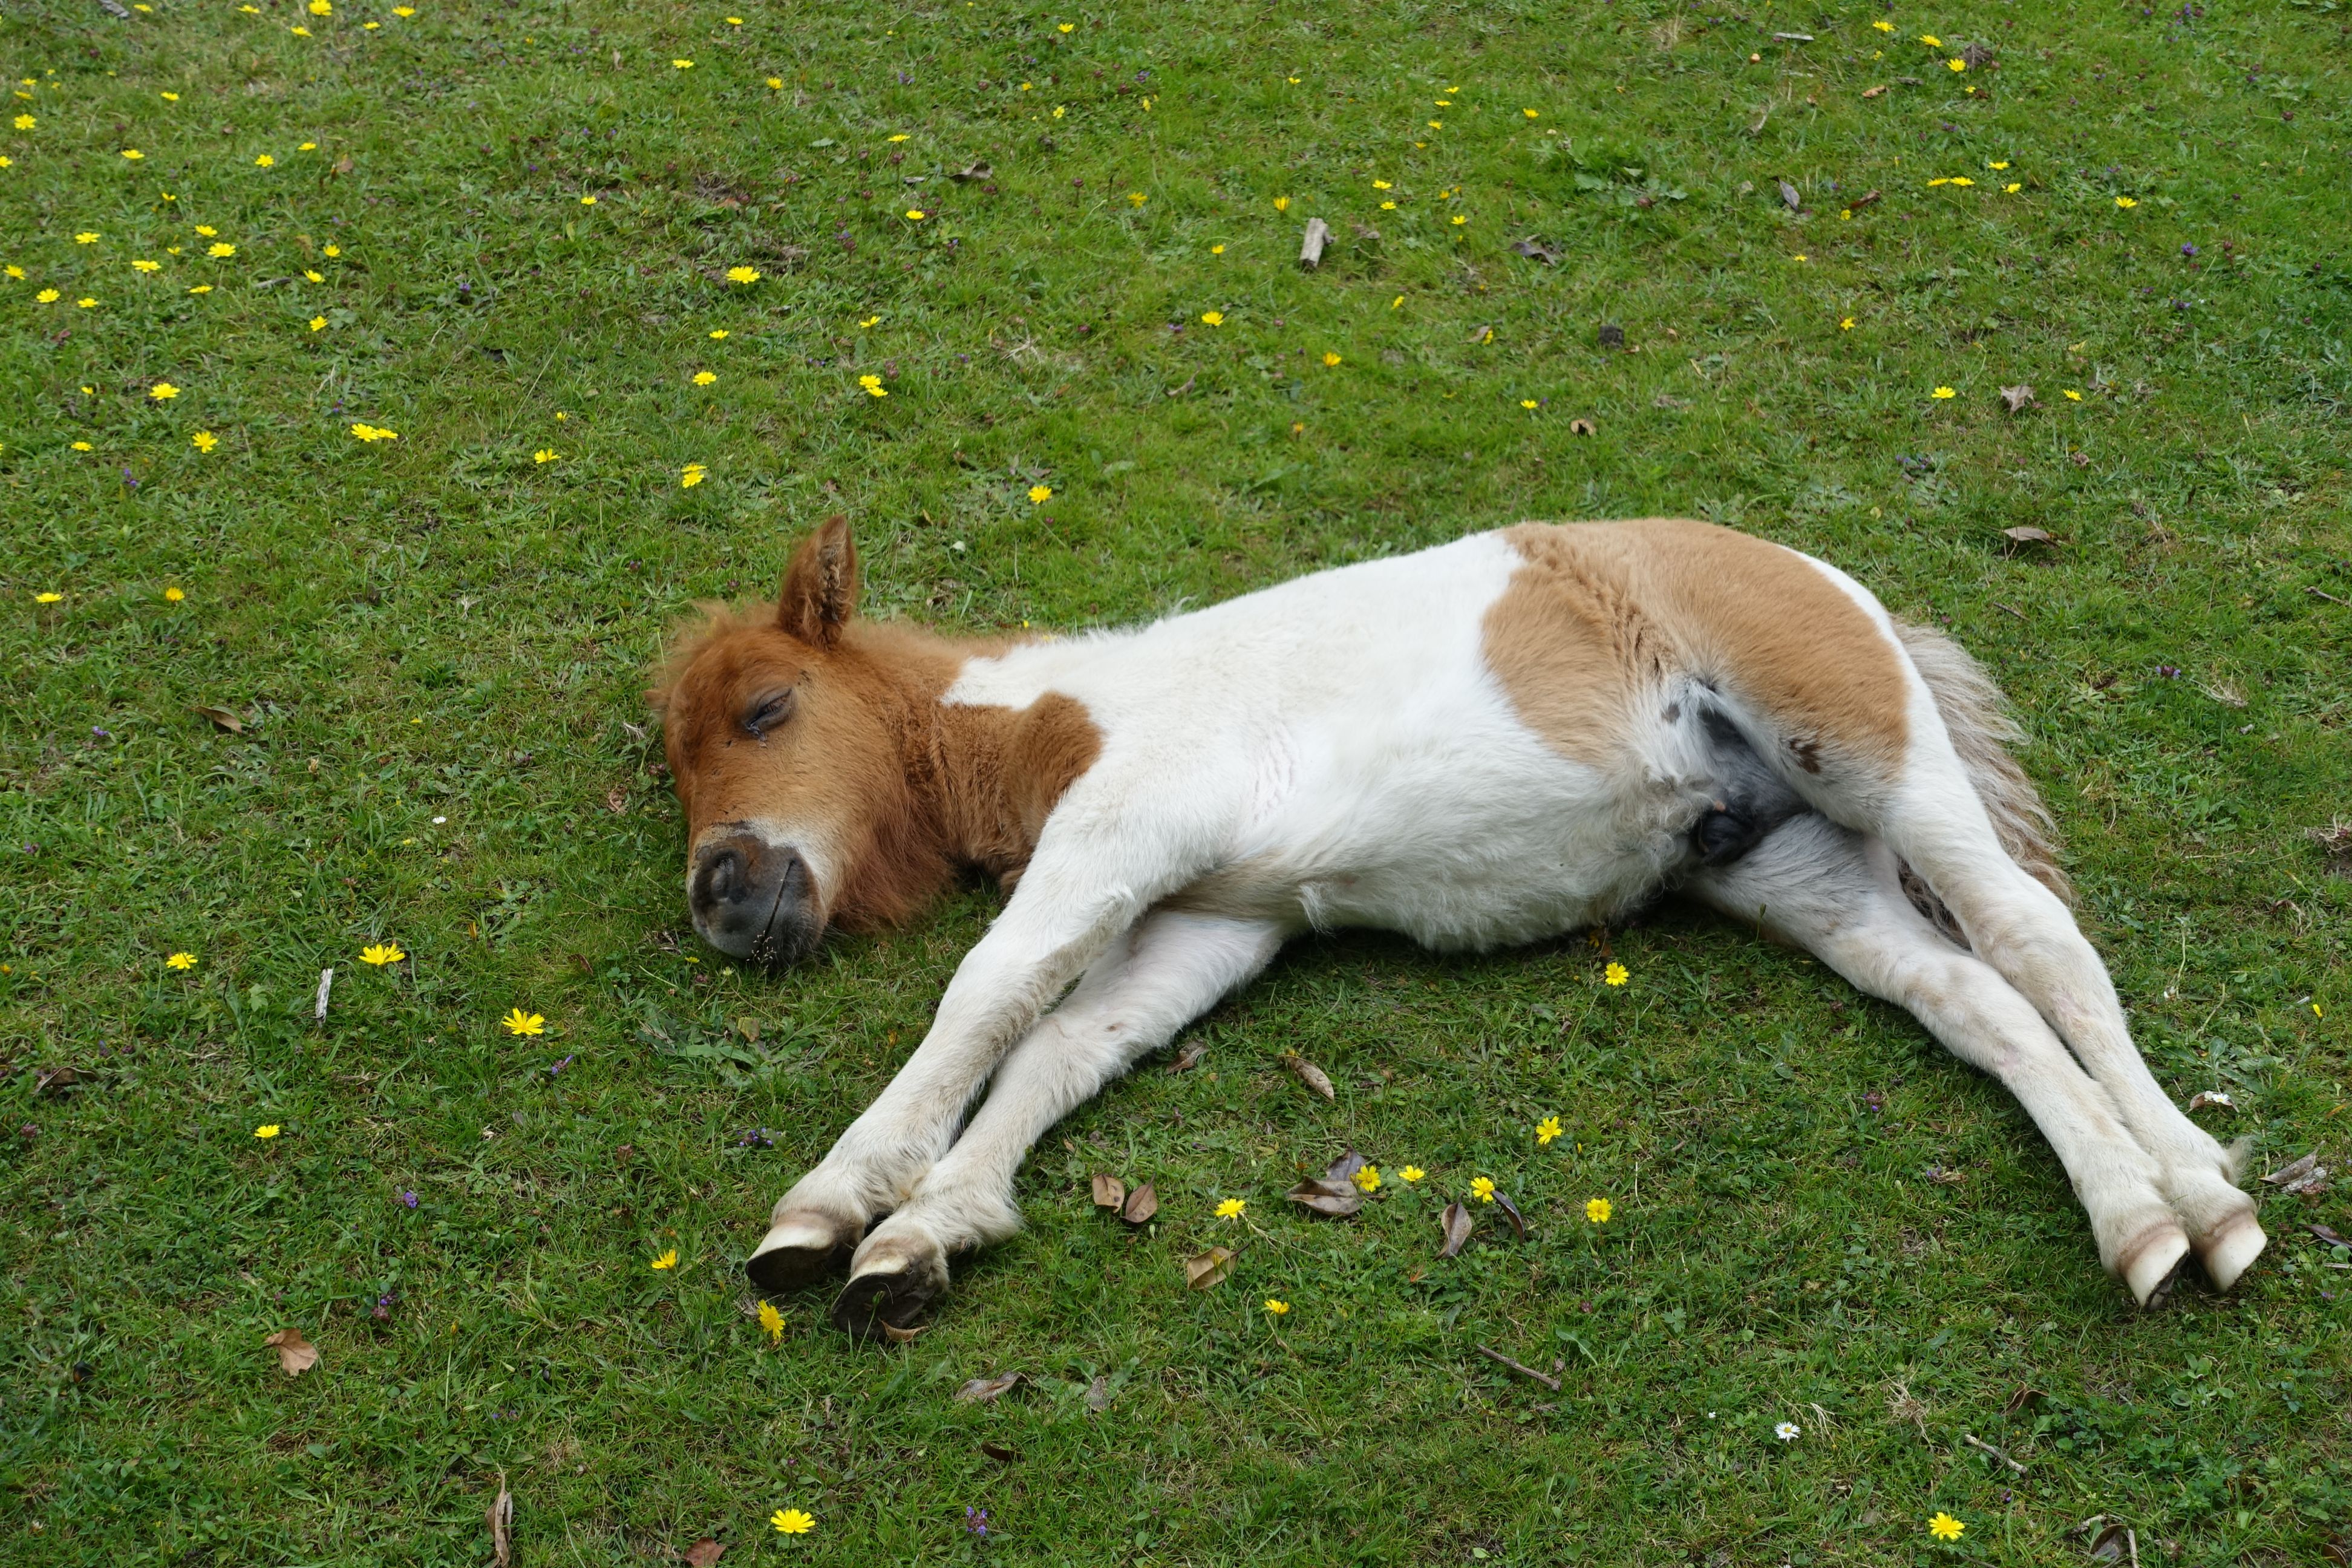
{"x":898,"y":1336}
{"x":1873,"y":91}
{"x":977,"y":171}
{"x":1141,"y":1204}
{"x":704,"y":1553}
{"x":1203,"y":1269}
{"x":54,"y":1080}
{"x":295,"y":1354}
{"x":1098,"y":1394}
{"x":981,"y":1390}
{"x":2023,"y":534}
{"x":2019,"y":398}
{"x":1609,"y":336}
{"x":220,"y":716}
{"x":2114,"y":1544}
{"x":2299,"y":1175}
{"x":1111,"y":1193}
{"x":500,"y":1519}
{"x":2327,"y":1234}
{"x":2026,"y":1395}
{"x":1189,"y":1057}
{"x":1334,"y":1200}
{"x":1000,"y":1453}
{"x":1976,"y":56}
{"x":1311,"y":1076}
{"x":1344,"y":1167}
{"x":1582,"y":428}
{"x":1535,"y":249}
{"x":1458,"y":1225}
{"x":1503,"y":1201}
{"x":2205,"y":1096}
{"x":1788,"y":196}
{"x":1311,"y":244}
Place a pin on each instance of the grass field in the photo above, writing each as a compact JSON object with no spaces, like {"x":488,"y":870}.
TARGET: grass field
{"x":503,"y":240}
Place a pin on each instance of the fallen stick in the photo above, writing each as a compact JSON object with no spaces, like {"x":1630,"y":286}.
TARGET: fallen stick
{"x":1311,"y":248}
{"x":1524,"y":1371}
{"x":1977,"y":1443}
{"x":326,"y":983}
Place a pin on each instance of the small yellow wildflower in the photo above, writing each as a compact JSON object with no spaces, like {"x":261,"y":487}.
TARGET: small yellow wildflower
{"x":1957,"y":63}
{"x":174,"y":594}
{"x":2127,"y":203}
{"x":869,"y":321}
{"x":49,"y":596}
{"x":916,"y":215}
{"x":318,"y":323}
{"x":1231,"y":1208}
{"x":518,"y":1022}
{"x":1368,"y":1178}
{"x":1282,"y":203}
{"x":1846,"y":325}
{"x":1997,"y":166}
{"x":743,"y":275}
{"x":267,"y":1130}
{"x":1040,"y":494}
{"x":587,"y":201}
{"x":1413,"y":1172}
{"x":771,"y":1320}
{"x":47,"y":296}
{"x":667,"y":1260}
{"x":1459,"y":220}
{"x":177,"y":960}
{"x":134,"y":154}
{"x":683,"y":65}
{"x":1213,"y":318}
{"x":1279,"y":1309}
{"x":873,"y":385}
{"x":1942,"y":392}
{"x":2072,"y":395}
{"x":2011,"y":189}
{"x":314,"y":276}
{"x":1598,"y":1210}
{"x":545,"y":455}
{"x":1216,"y":250}
{"x":1547,"y":1130}
{"x":792,"y":1522}
{"x":221,"y":250}
{"x":1528,"y":402}
{"x":718,"y":332}
{"x":1483,"y":1189}
{"x":1530,"y":113}
{"x":87,"y":237}
{"x":1944,"y":1527}
{"x":704,"y":378}
{"x":1136,"y":197}
{"x":691,"y":475}
{"x":1883,"y":26}
{"x":1615,"y":974}
{"x":381,"y":953}
{"x":163,"y":391}
{"x":1932,"y":41}
{"x":265,"y":161}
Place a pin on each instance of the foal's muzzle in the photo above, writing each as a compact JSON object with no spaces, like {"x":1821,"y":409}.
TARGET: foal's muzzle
{"x":753,"y":899}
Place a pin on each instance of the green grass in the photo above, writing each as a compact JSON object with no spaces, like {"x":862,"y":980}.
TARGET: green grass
{"x":438,"y":626}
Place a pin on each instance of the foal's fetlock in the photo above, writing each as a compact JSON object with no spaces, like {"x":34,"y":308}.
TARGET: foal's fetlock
{"x":897,"y":1275}
{"x":802,"y":1246}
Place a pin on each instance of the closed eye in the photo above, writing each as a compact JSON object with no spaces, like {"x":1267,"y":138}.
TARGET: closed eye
{"x":768,"y":712}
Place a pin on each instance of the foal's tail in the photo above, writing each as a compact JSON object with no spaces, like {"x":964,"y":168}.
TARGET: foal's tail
{"x":1977,"y":718}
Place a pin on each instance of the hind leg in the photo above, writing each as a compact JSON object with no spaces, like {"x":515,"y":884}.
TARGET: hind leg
{"x":2023,"y":930}
{"x":1835,"y":893}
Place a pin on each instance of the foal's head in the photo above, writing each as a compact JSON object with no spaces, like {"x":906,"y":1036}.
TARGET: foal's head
{"x":790,"y":738}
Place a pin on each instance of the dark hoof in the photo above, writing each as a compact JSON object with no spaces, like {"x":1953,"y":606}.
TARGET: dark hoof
{"x":885,"y":1306}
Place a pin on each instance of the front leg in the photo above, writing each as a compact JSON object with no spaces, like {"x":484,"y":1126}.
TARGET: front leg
{"x":1073,"y":903}
{"x":1151,"y":982}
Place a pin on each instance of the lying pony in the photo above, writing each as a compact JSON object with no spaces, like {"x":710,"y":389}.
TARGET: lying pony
{"x":1497,"y":741}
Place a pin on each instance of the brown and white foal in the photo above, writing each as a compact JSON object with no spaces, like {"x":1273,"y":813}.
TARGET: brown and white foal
{"x":1507,"y":737}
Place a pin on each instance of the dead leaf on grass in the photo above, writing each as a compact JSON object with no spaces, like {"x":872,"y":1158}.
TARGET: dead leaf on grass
{"x":980,"y":1390}
{"x":1873,"y":91}
{"x":1189,"y":1057}
{"x":1535,"y":249}
{"x":220,"y":716}
{"x":898,"y":1336}
{"x":500,"y":1519}
{"x":2023,"y":534}
{"x":1311,"y":243}
{"x":54,"y":1080}
{"x":1344,"y":1167}
{"x":1458,"y":1225}
{"x":295,"y":1354}
{"x":1111,"y":1193}
{"x":975,"y":171}
{"x":704,"y":1553}
{"x":1334,"y":1200}
{"x":1000,"y":1453}
{"x":2327,"y":1234}
{"x":2026,"y":1395}
{"x":2307,"y":1176}
{"x":2019,"y":398}
{"x":2205,"y":1096}
{"x":1511,"y":1210}
{"x":1141,"y":1204}
{"x":1311,"y":1076}
{"x":1788,"y":196}
{"x":1098,"y":1394}
{"x":1582,"y":428}
{"x":1203,"y":1269}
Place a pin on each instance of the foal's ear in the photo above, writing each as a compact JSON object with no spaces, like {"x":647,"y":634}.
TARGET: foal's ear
{"x":821,"y":584}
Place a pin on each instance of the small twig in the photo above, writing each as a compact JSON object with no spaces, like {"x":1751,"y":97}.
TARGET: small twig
{"x":1523,"y":1370}
{"x":2020,"y":615}
{"x":326,"y":983}
{"x":2324,"y":594}
{"x":115,"y":9}
{"x":1792,"y":38}
{"x":1979,"y":1444}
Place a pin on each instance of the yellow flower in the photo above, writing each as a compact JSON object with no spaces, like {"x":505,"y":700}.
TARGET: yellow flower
{"x":83,"y":446}
{"x":308,"y":147}
{"x":134,"y":154}
{"x":1136,"y":197}
{"x":1368,"y":1178}
{"x":776,"y":83}
{"x":206,"y":230}
{"x":1213,"y":318}
{"x":718,"y":332}
{"x":1942,"y":392}
{"x":1388,"y":207}
{"x":375,"y":433}
{"x":901,"y":136}
{"x":1379,"y":185}
{"x":1960,"y":180}
{"x":1846,"y":325}
{"x":743,"y":275}
{"x":1883,"y":26}
{"x":1597,"y":1210}
{"x":1483,"y":1189}
{"x":222,"y":249}
{"x":1944,"y":1527}
{"x":1957,"y":63}
{"x":691,"y":475}
{"x":734,"y":21}
{"x":873,"y":385}
{"x":518,"y":1022}
{"x":587,"y":201}
{"x":1547,"y":1130}
{"x":1459,"y":220}
{"x":202,"y":288}
{"x":1615,"y":974}
{"x":792,"y":1522}
{"x":47,"y":296}
{"x":46,"y":597}
{"x":403,"y":11}
{"x":314,"y":276}
{"x":2072,"y":395}
{"x":683,"y":65}
{"x":1282,"y":203}
{"x":869,"y":321}
{"x":1330,"y":360}
{"x":2011,"y":189}
{"x":25,"y":122}
{"x":771,"y":1320}
{"x":170,"y":97}
{"x":1530,"y":113}
{"x":1932,"y":41}
{"x":163,"y":391}
{"x":178,"y":960}
{"x":1527,"y":403}
{"x":916,"y":215}
{"x":318,"y":323}
{"x":1278,"y":1309}
{"x":1231,"y":1208}
{"x":321,"y":8}
{"x":266,"y":1130}
{"x":1058,"y":112}
{"x":1437,"y":125}
{"x":1216,"y":250}
{"x":86,"y":302}
{"x":265,"y":161}
{"x":87,"y":237}
{"x":545,"y":455}
{"x":381,"y":953}
{"x":1040,"y":494}
{"x":704,"y":378}
{"x":173,"y":595}
{"x":1413,"y":1172}
{"x":1064,"y":27}
{"x":2003,"y":163}
{"x":2125,"y":203}
{"x":667,"y":1260}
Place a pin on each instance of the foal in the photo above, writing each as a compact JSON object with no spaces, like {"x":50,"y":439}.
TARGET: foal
{"x":1514,"y":735}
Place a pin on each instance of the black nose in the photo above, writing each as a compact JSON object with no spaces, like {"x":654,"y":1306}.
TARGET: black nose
{"x":754,"y":900}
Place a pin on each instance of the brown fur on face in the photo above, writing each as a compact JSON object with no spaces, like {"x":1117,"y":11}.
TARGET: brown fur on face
{"x":831,"y":728}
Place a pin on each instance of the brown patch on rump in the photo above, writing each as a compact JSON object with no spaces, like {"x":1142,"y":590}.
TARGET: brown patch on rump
{"x":1602,"y":610}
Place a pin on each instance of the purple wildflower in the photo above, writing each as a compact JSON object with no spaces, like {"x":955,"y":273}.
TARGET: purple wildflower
{"x":408,"y":1197}
{"x":975,"y":1521}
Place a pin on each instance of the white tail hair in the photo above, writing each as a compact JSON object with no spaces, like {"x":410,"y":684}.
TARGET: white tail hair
{"x":1977,"y":717}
